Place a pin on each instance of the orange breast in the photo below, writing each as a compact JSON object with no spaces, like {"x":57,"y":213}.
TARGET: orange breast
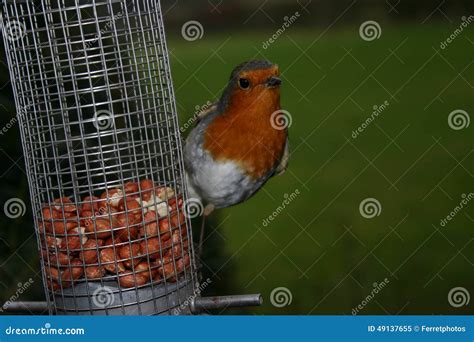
{"x":245,"y":136}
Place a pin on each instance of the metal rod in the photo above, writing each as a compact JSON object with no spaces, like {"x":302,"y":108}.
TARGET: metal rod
{"x":31,"y":307}
{"x":199,"y":304}
{"x":221,"y":302}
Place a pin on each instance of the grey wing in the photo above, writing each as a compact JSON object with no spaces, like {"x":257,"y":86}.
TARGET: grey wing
{"x":193,"y":144}
{"x":281,"y":168}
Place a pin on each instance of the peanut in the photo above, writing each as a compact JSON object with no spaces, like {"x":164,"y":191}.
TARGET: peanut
{"x":146,"y":186}
{"x":73,"y":272}
{"x":90,"y":204}
{"x":89,"y":253}
{"x":131,"y":188}
{"x":132,"y":280}
{"x":150,"y":247}
{"x":55,"y":258}
{"x":109,"y":261}
{"x":62,"y":226}
{"x":145,"y":269}
{"x":95,"y":272}
{"x":53,"y":273}
{"x":130,"y":253}
{"x":151,"y":224}
{"x":112,"y":197}
{"x":130,"y":205}
{"x":101,"y":227}
{"x":74,"y":239}
{"x":65,"y":204}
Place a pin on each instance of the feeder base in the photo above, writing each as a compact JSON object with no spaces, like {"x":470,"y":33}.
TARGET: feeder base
{"x":108,"y":299}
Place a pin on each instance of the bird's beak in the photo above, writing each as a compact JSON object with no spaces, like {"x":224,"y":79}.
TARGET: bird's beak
{"x":273,"y":82}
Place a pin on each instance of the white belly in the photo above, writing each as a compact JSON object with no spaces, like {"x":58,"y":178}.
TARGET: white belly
{"x":220,"y":183}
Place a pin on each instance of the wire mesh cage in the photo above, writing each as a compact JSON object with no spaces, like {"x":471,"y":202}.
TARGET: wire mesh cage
{"x":99,"y":129}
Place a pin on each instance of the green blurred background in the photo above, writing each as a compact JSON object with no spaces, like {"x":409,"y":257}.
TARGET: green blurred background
{"x":319,"y":248}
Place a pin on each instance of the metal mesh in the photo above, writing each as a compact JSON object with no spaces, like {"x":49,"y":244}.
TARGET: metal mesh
{"x":103,"y":154}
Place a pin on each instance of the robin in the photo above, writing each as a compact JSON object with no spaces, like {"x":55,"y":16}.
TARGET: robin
{"x":236,"y":147}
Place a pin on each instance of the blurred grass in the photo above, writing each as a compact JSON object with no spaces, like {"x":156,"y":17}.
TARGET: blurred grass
{"x":320,"y":247}
{"x":330,"y":90}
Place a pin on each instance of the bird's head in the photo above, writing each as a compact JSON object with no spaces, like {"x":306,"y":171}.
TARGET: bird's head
{"x":253,"y":84}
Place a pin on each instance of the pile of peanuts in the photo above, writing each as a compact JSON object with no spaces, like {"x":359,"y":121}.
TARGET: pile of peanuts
{"x":136,"y":235}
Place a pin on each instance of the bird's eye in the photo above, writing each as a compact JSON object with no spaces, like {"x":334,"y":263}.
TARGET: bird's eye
{"x":244,"y":83}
